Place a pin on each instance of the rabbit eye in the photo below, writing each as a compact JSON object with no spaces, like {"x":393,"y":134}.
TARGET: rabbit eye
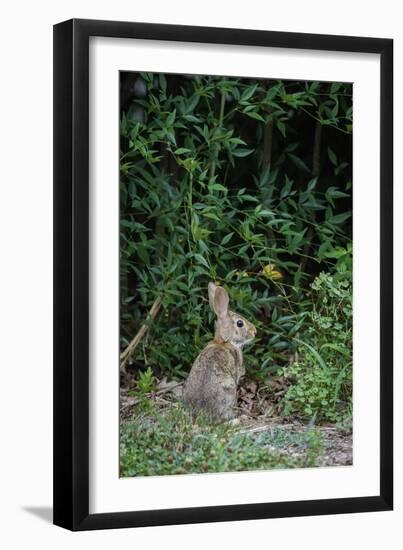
{"x":239,"y":323}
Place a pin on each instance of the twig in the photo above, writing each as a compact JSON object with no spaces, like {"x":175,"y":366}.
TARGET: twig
{"x":125,"y":355}
{"x":131,"y":401}
{"x":316,"y":150}
{"x":217,"y":147}
{"x":267,"y":141}
{"x":315,"y":172}
{"x":258,"y":429}
{"x":165,"y":390}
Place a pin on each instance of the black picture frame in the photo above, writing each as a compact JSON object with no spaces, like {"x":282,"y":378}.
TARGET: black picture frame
{"x":71,"y":274}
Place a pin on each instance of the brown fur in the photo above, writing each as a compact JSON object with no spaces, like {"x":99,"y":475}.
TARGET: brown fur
{"x":211,"y":386}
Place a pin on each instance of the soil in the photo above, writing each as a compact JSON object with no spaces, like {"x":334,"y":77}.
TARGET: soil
{"x":258,"y":412}
{"x":337,"y":441}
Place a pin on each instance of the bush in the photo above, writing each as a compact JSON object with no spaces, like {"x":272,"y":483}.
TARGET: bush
{"x":245,"y":182}
{"x":322,"y":378}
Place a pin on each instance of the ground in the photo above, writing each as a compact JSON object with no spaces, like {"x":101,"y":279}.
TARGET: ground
{"x":158,"y":437}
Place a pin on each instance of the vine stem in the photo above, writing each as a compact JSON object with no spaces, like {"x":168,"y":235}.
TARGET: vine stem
{"x":217,"y":148}
{"x":189,"y":208}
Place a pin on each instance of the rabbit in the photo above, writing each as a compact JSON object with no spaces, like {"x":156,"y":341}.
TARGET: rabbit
{"x":211,"y":386}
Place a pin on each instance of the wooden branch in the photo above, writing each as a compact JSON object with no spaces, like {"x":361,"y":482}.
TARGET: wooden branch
{"x":217,"y":146}
{"x":316,"y":149}
{"x":317,"y":141}
{"x":266,"y":163}
{"x":125,"y":355}
{"x":267,"y":141}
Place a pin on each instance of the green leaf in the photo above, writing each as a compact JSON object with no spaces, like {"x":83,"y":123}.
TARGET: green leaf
{"x":171,"y":118}
{"x":242,"y":152}
{"x":314,"y":353}
{"x":299,"y":163}
{"x":211,"y":215}
{"x":227,"y":238}
{"x":272,"y":92}
{"x":191,"y":118}
{"x":339,"y":218}
{"x":191,"y":106}
{"x":335,"y":87}
{"x":248,"y":198}
{"x":201,"y":260}
{"x":256,"y":116}
{"x":248,"y":93}
{"x":335,"y":193}
{"x":171,"y":137}
{"x":163,"y":82}
{"x":332,"y":156}
{"x":237,"y":141}
{"x":281,"y":127}
{"x":218,"y":187}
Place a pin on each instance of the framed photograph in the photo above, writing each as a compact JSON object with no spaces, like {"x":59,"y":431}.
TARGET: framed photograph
{"x":223,"y":320}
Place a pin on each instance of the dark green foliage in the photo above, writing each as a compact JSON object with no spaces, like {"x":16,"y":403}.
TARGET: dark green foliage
{"x":322,"y":378}
{"x":247,"y":183}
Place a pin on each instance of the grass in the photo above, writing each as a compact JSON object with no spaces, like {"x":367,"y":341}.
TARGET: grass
{"x":161,"y":442}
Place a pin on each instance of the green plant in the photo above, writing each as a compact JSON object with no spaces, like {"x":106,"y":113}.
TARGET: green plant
{"x":242,"y":181}
{"x":145,"y":382}
{"x":143,"y":386}
{"x":168,"y":442}
{"x":322,"y":378}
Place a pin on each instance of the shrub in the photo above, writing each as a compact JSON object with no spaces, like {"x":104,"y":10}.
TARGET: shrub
{"x":322,"y":378}
{"x":242,"y":181}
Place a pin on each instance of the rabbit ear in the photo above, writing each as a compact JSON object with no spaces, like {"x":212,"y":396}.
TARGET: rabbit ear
{"x":221,"y":301}
{"x":211,"y":292}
